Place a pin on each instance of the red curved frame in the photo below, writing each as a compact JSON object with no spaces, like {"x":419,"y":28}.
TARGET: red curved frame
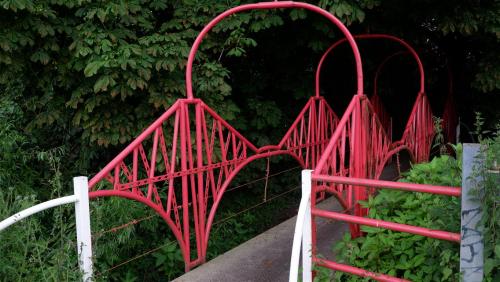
{"x":378,"y":106}
{"x":365,"y":136}
{"x":276,"y":5}
{"x":375,"y":99}
{"x":381,"y":66}
{"x":206,"y":153}
{"x":194,"y":148}
{"x":372,"y":36}
{"x":360,"y":130}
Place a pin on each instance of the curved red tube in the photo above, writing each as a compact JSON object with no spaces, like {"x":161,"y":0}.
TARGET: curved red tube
{"x":157,"y":209}
{"x":373,"y":36}
{"x":231,"y":176}
{"x":381,"y":67}
{"x":265,"y":6}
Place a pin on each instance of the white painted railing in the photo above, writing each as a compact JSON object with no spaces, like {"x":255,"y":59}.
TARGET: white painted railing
{"x":82,"y":216}
{"x":302,"y":233}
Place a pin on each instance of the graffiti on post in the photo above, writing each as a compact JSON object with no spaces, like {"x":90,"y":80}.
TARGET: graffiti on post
{"x":472,"y":244}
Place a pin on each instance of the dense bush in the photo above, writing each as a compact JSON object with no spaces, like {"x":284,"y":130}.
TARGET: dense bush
{"x":413,"y":257}
{"x":42,"y":247}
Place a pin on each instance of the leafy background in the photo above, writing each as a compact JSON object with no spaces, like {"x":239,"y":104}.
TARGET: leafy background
{"x":79,"y":79}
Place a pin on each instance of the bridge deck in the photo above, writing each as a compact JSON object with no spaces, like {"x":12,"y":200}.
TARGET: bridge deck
{"x":267,"y":256}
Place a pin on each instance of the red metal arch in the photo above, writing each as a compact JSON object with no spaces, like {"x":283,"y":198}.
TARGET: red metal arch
{"x":160,"y":212}
{"x":369,"y":149}
{"x":420,"y":112}
{"x":205,"y":153}
{"x":375,"y":98}
{"x":373,"y":36}
{"x":361,"y":138}
{"x":275,"y":5}
{"x":389,"y":155}
{"x":233,"y":174}
{"x":381,"y":66}
{"x":304,"y":141}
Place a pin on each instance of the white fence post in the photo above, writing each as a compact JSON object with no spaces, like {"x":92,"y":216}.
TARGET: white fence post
{"x":302,"y":233}
{"x":306,"y":235}
{"x":82,"y":217}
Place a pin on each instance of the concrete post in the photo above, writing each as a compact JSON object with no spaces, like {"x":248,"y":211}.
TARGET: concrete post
{"x":472,"y":243}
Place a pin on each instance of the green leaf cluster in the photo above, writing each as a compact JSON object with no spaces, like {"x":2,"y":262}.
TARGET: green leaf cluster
{"x":110,"y":67}
{"x":349,"y":11}
{"x":404,"y":255}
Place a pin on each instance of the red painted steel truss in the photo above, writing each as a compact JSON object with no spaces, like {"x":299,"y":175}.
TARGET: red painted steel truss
{"x":362,"y":143}
{"x":188,"y":157}
{"x":360,"y":147}
{"x":182,"y":164}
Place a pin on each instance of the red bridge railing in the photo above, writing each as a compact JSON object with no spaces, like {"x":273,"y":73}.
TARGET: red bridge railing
{"x":362,"y":143}
{"x":182,"y":164}
{"x":349,"y":168}
{"x":307,"y":212}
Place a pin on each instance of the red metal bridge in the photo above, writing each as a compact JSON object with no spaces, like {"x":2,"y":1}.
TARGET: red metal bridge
{"x":182,"y":164}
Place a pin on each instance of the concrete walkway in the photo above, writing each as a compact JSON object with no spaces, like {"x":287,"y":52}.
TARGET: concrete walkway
{"x":267,"y":256}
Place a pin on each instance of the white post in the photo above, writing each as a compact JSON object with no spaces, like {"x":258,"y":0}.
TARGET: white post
{"x":82,"y":216}
{"x":303,"y":224}
{"x":306,"y":235}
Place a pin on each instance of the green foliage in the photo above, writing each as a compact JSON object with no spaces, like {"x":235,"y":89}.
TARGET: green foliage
{"x":443,"y":170}
{"x":110,"y":67}
{"x":168,"y":260}
{"x":77,"y":76}
{"x":413,"y":257}
{"x":41,"y":247}
{"x":479,"y":129}
{"x":14,"y":163}
{"x":349,"y":11}
{"x":487,"y":78}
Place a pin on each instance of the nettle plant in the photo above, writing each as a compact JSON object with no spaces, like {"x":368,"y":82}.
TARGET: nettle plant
{"x":413,"y":257}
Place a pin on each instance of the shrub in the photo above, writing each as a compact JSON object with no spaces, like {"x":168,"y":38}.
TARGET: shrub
{"x":406,"y":255}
